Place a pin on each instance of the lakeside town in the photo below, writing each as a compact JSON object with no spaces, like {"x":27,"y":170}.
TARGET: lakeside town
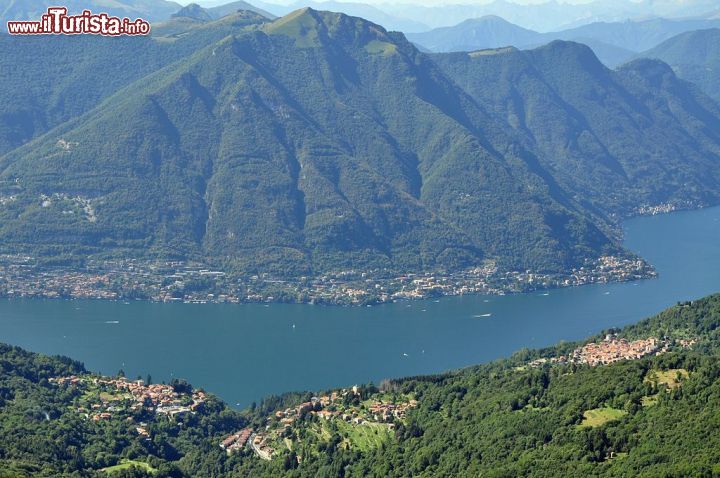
{"x":21,"y":276}
{"x":664,"y":208}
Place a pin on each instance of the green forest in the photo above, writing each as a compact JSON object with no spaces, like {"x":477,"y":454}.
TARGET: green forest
{"x":532,"y":414}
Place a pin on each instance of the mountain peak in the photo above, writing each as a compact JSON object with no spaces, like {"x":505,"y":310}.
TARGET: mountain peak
{"x":489,"y":19}
{"x":568,"y":46}
{"x":560,"y":52}
{"x":313,"y":28}
{"x":238,"y":6}
{"x":653,"y":71}
{"x":194,"y":11}
{"x":485,"y":32}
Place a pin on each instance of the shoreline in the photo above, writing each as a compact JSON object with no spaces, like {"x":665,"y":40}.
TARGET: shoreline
{"x":347,"y":288}
{"x":165,"y":281}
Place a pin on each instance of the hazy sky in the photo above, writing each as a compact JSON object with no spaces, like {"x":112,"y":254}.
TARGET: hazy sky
{"x":454,"y":2}
{"x":212,"y":3}
{"x":544,"y":16}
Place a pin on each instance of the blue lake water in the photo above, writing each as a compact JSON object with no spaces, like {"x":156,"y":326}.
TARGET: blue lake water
{"x":244,"y":352}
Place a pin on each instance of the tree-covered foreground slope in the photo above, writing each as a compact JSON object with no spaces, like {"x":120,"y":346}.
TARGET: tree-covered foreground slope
{"x":320,"y":142}
{"x":543,"y":413}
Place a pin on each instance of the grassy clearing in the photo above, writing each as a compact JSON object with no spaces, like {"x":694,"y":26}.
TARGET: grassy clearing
{"x":672,"y":378}
{"x":125,"y":464}
{"x":600,"y":416}
{"x":649,"y":401}
{"x":366,"y":436}
{"x":376,"y":46}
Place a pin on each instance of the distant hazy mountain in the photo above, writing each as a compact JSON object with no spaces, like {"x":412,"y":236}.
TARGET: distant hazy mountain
{"x":694,"y":56}
{"x":614,"y":43}
{"x":494,"y":32}
{"x":635,"y":35}
{"x":151,"y":10}
{"x":321,"y":142}
{"x":546,"y":16}
{"x":551,"y":15}
{"x":476,"y":34}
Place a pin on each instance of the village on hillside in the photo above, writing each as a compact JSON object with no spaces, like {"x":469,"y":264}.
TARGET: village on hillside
{"x":106,"y":398}
{"x":368,"y":416}
{"x":376,"y":414}
{"x":614,"y":349}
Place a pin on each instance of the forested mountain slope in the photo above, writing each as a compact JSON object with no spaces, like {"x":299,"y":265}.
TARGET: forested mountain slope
{"x":317,"y":141}
{"x":695,"y":57}
{"x":605,"y":135}
{"x":47,"y":80}
{"x":540,"y":414}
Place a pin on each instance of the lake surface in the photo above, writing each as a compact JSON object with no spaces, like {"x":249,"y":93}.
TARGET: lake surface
{"x":245,"y":352}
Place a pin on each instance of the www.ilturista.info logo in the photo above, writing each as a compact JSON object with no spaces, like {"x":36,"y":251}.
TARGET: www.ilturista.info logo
{"x":57,"y":22}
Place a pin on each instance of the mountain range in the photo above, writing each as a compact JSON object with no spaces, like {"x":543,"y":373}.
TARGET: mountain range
{"x":319,"y":142}
{"x":613,"y":43}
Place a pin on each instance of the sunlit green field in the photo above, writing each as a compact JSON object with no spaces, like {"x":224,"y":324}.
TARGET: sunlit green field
{"x":600,"y":416}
